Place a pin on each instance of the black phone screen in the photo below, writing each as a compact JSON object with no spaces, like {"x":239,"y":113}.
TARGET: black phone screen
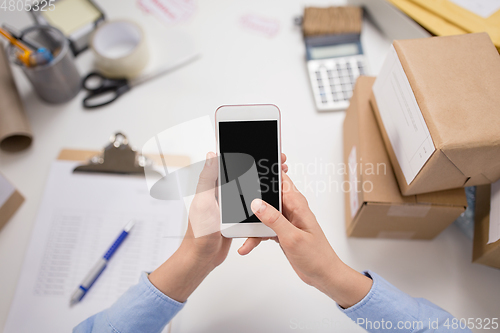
{"x":249,"y":167}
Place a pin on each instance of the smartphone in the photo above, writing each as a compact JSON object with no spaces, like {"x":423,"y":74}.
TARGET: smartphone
{"x":249,"y":150}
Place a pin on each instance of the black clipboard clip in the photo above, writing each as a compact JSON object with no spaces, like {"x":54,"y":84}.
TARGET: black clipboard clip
{"x":118,"y":157}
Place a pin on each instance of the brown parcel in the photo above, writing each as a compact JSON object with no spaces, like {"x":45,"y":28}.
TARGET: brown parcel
{"x":10,"y":205}
{"x":483,"y":253}
{"x":383,"y":212}
{"x":456,"y":83}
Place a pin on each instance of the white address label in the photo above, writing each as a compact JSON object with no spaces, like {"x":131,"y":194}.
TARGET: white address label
{"x":402,"y":118}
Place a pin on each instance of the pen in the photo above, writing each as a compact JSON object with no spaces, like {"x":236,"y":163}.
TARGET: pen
{"x":40,"y":56}
{"x":17,"y":35}
{"x":24,"y":56}
{"x":99,"y":267}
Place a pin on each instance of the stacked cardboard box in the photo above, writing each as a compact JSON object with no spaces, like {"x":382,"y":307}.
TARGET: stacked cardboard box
{"x":432,"y":118}
{"x":374,"y":204}
{"x":487,"y":226}
{"x":438,"y":107}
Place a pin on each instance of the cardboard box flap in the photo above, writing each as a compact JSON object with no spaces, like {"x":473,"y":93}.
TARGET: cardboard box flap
{"x":451,"y":110}
{"x":478,"y":161}
{"x":454,"y":197}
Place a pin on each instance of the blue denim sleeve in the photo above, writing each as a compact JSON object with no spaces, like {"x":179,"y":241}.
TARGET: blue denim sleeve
{"x":142,"y":308}
{"x":387,"y":308}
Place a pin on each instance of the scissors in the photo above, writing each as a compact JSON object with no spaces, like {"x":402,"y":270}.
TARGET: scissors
{"x":103,"y":90}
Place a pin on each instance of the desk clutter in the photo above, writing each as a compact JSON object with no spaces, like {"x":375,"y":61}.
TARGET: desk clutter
{"x":88,"y":199}
{"x":427,"y":126}
{"x":421,"y":142}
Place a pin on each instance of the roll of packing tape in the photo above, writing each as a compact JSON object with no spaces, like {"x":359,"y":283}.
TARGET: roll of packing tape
{"x":120,"y":49}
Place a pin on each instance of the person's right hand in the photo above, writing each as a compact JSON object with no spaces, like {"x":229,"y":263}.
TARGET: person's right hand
{"x":307,"y":248}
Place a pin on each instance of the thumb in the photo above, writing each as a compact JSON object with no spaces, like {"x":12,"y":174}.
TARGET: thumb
{"x":272,"y":218}
{"x":208,"y":175}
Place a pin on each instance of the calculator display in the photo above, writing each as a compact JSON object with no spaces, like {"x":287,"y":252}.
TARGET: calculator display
{"x":331,"y":51}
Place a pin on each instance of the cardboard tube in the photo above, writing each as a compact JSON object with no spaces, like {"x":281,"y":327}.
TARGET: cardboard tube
{"x":15,"y":132}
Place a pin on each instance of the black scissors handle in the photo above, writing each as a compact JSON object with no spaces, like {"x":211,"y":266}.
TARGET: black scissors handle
{"x":102,"y":91}
{"x":103,"y":97}
{"x":95,"y":81}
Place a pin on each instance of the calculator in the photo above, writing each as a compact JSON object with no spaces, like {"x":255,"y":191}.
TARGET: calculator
{"x":334,"y":62}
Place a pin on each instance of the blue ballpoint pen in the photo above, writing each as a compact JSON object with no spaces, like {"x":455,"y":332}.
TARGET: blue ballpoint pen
{"x":99,"y":267}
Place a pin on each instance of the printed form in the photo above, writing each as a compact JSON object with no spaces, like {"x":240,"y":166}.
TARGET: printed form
{"x":402,"y":118}
{"x":79,"y":218}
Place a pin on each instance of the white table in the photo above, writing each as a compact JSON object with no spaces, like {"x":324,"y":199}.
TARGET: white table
{"x":259,"y":292}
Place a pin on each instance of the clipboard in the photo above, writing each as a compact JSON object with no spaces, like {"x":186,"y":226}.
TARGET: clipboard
{"x":119,"y":157}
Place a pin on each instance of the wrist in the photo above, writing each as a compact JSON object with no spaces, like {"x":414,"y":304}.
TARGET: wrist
{"x":180,"y":275}
{"x":346,"y":286}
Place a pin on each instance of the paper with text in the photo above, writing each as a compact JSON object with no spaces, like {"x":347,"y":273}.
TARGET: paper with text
{"x":402,"y":118}
{"x":79,"y":218}
{"x":494,"y":231}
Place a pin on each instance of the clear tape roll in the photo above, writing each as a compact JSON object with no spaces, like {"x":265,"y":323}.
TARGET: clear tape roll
{"x":120,"y":49}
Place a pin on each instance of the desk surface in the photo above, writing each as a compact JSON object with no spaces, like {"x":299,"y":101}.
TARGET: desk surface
{"x":260,"y":291}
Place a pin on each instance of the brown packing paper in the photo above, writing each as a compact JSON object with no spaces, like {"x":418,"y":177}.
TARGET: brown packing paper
{"x":455,"y":81}
{"x":484,"y":253}
{"x":15,"y":132}
{"x":10,"y":206}
{"x":331,"y":20}
{"x":382,"y":211}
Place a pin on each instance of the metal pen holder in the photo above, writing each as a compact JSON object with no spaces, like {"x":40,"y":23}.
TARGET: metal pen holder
{"x":57,"y":81}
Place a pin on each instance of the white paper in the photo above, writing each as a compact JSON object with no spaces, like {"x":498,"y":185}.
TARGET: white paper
{"x":79,"y":218}
{"x":402,"y":118}
{"x":484,"y":8}
{"x":353,"y":181}
{"x":6,"y":190}
{"x":494,"y":232}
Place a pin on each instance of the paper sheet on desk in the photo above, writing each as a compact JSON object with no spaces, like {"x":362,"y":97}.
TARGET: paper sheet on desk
{"x":80,"y":216}
{"x":494,"y":232}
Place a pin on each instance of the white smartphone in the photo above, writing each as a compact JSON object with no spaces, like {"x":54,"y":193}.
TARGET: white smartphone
{"x":249,"y":150}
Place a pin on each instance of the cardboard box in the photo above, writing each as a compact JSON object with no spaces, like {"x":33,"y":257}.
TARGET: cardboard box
{"x":374,"y":204}
{"x":437,"y":102}
{"x":484,"y":252}
{"x":10,"y":200}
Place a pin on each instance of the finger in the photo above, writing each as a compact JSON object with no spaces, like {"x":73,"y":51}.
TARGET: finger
{"x":284,"y":167}
{"x":272,"y":218}
{"x":283,"y":158}
{"x":208,"y":175}
{"x":250,"y":244}
{"x":294,"y":203}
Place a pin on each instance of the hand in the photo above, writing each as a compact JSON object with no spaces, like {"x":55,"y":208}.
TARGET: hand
{"x":307,"y":248}
{"x":203,"y":247}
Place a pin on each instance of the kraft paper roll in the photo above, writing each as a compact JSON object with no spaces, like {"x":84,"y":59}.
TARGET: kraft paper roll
{"x":120,"y":49}
{"x":15,"y":132}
